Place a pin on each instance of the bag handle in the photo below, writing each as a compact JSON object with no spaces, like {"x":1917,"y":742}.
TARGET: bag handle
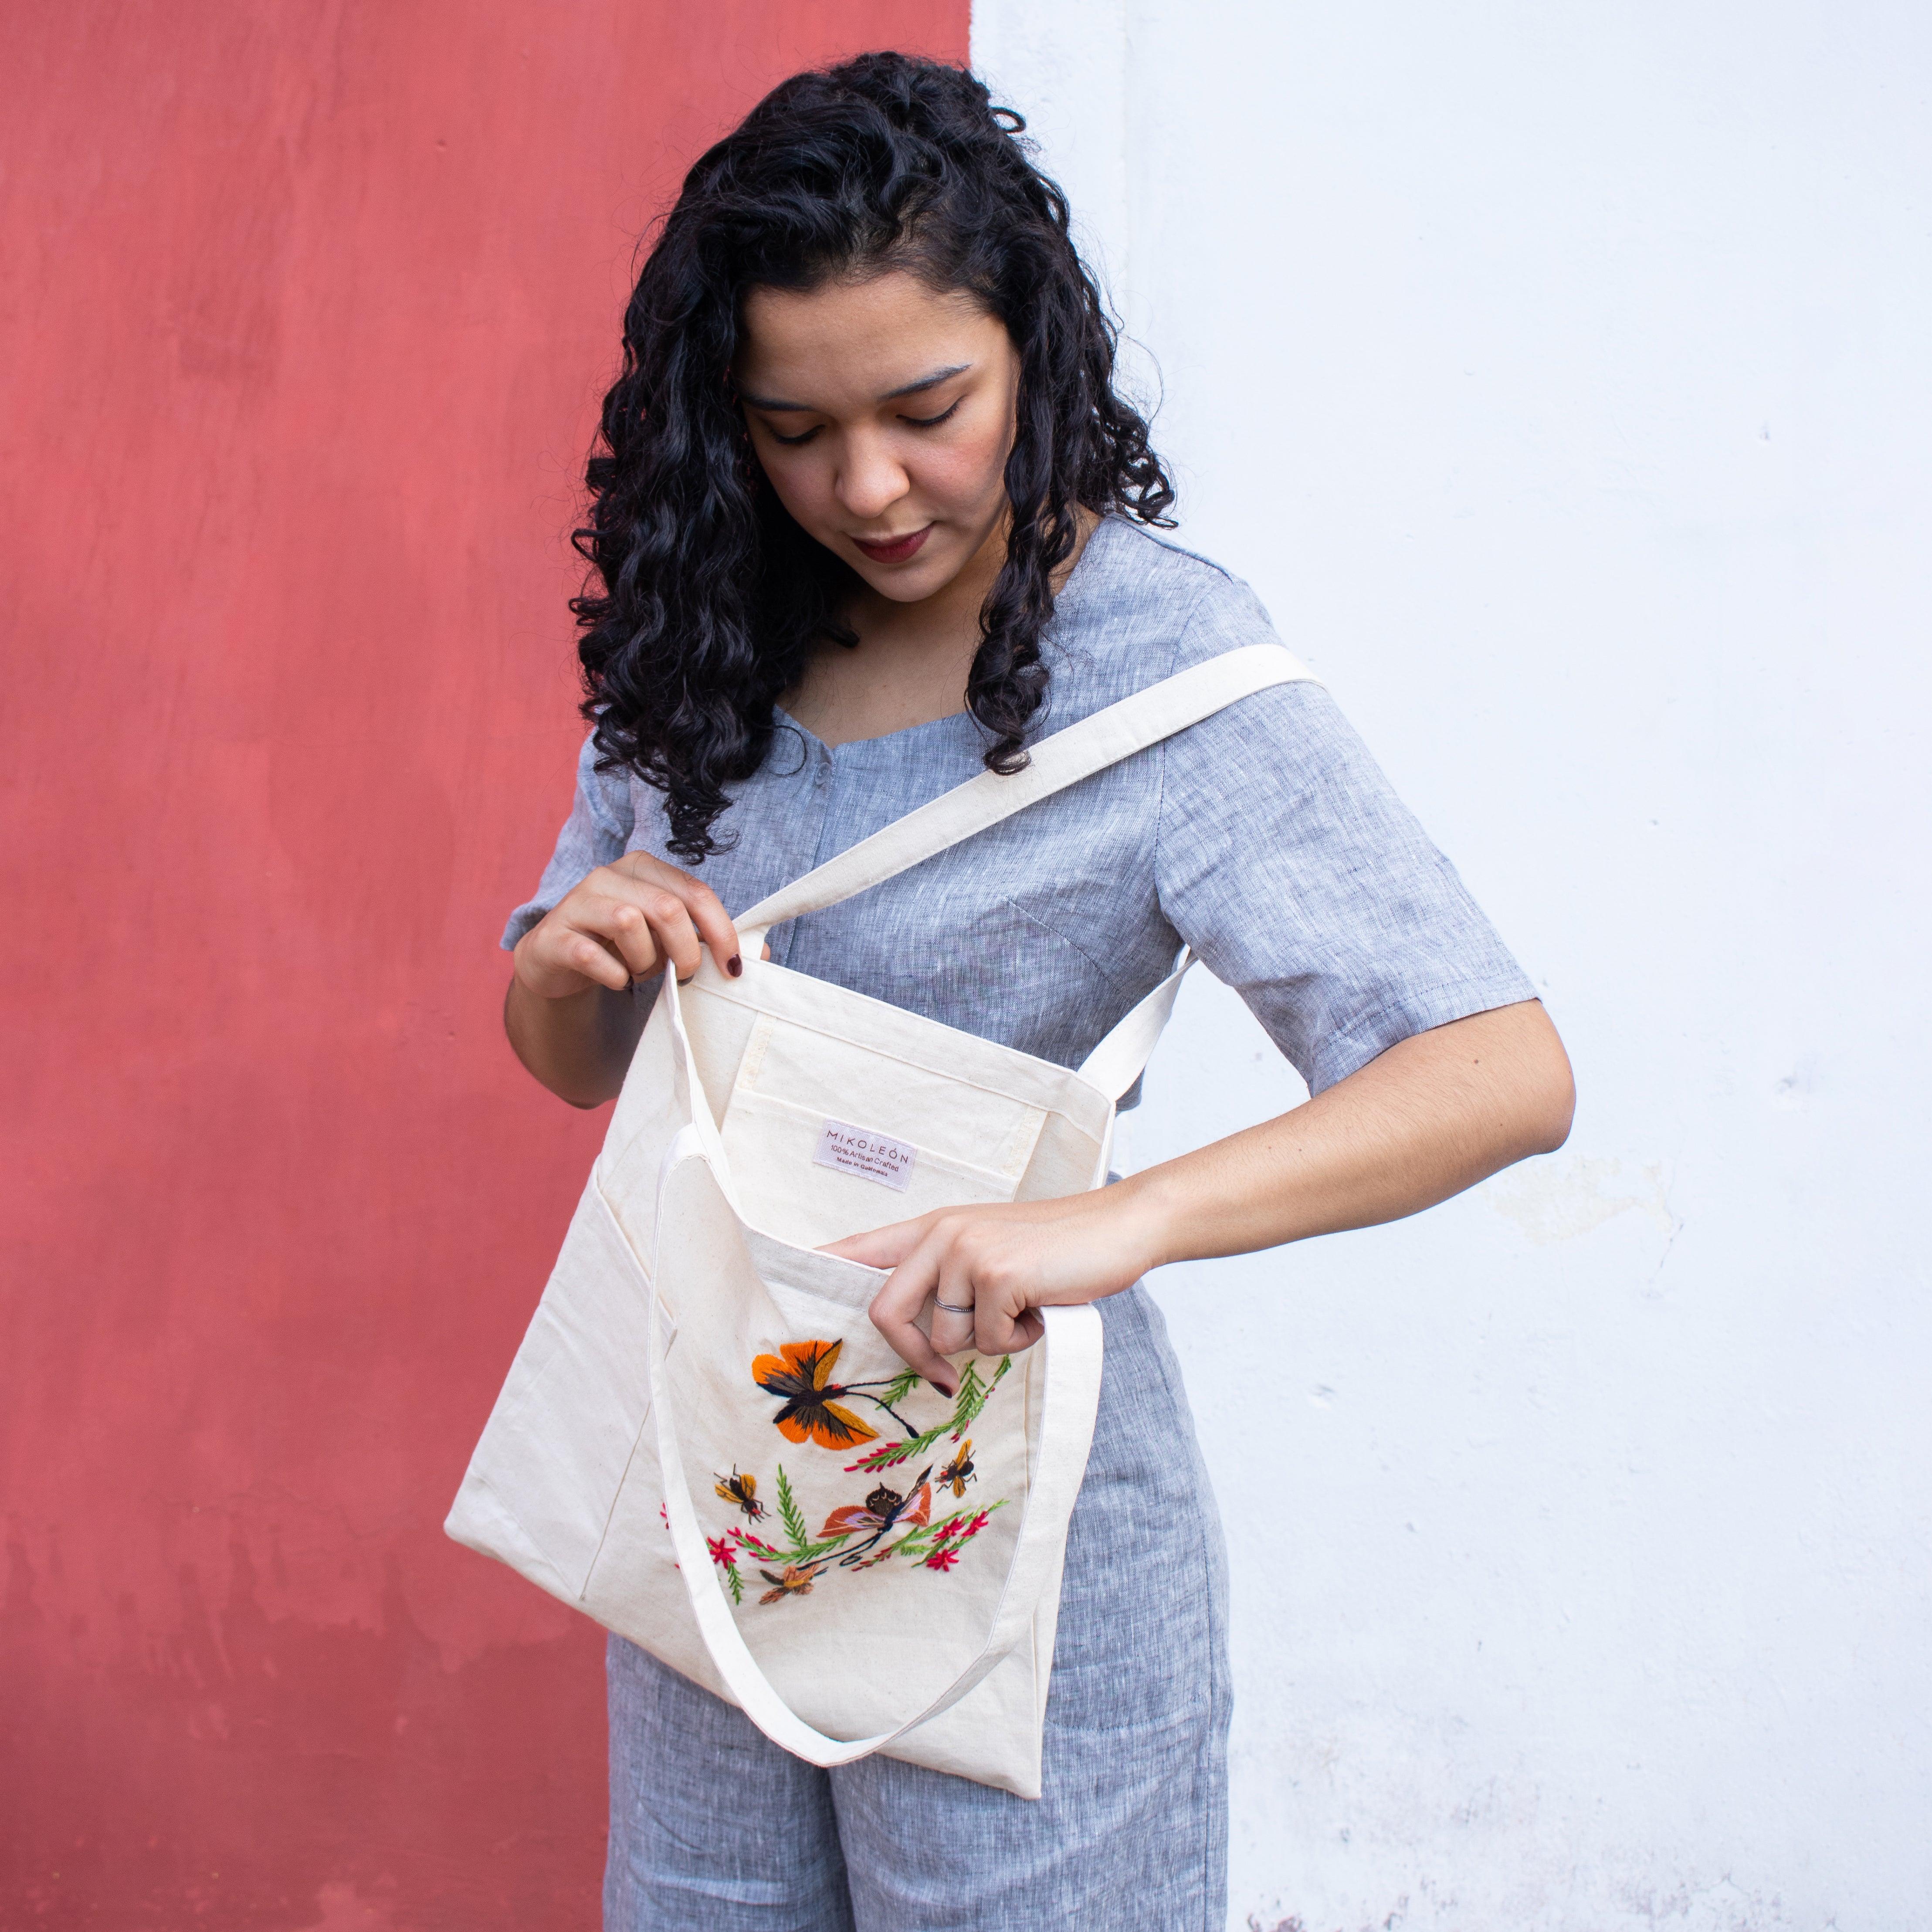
{"x":1121,"y":1058}
{"x":1118,"y":731}
{"x":1071,"y":1398}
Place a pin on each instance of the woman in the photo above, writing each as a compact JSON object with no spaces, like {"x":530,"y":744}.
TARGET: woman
{"x":869,"y":516}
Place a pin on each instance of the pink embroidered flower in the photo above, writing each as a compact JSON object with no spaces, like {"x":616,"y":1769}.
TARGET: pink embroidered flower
{"x":943,"y":1559}
{"x":722,"y":1552}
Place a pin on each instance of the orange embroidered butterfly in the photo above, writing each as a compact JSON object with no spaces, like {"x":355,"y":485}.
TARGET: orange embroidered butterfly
{"x":801,"y":1372}
{"x":885,"y":1510}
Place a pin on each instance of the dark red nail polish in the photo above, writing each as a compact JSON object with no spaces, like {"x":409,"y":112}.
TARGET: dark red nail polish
{"x":735,"y":964}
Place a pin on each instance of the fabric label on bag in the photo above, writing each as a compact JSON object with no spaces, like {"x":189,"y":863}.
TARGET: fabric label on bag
{"x":870,"y":1155}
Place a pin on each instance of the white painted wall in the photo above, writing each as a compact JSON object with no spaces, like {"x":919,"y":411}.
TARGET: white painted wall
{"x":1558,"y":376}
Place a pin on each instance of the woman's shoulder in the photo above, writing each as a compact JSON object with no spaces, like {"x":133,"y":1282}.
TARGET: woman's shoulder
{"x":1140,"y":606}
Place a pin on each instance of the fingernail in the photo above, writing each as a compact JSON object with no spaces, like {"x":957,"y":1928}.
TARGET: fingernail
{"x":948,"y":1393}
{"x":735,"y":964}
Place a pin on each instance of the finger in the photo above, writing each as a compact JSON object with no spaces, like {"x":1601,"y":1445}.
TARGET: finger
{"x":622,"y":925}
{"x":710,"y":924}
{"x":714,"y":924}
{"x":671,"y":925}
{"x":999,"y":1319}
{"x":554,"y":962}
{"x":582,"y":953}
{"x":892,"y":1312}
{"x":952,"y":1332}
{"x":881,"y":1247}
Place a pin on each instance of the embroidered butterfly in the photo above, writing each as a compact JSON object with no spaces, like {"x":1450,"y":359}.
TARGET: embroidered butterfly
{"x":794,"y":1583}
{"x":743,"y":1490}
{"x":884,"y":1510}
{"x":801,"y":1372}
{"x":958,"y":1472}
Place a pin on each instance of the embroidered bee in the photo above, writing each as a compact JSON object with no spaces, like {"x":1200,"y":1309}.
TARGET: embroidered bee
{"x":743,"y":1490}
{"x":958,"y":1472}
{"x":795,"y":1582}
{"x":885,"y":1510}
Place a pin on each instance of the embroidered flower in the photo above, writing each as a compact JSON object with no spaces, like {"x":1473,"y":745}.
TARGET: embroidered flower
{"x":944,"y":1557}
{"x":801,"y":1372}
{"x":722,"y":1552}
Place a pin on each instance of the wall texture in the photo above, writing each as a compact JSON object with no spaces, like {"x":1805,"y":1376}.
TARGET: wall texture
{"x":1559,"y":377}
{"x":305,"y":309}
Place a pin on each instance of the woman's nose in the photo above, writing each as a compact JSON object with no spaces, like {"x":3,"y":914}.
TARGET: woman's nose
{"x":871,"y":479}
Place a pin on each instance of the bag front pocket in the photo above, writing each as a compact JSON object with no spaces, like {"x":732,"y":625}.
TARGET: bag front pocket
{"x":826,"y":1139}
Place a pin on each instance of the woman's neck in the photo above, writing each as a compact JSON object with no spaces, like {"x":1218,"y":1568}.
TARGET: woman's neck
{"x":910,"y":664}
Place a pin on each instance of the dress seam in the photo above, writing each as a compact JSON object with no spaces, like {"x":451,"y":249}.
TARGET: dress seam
{"x":1159,"y":1358}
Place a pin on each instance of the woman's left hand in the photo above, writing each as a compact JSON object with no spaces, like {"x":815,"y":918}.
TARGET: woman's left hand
{"x":1429,"y":1116}
{"x":1002,"y":1263}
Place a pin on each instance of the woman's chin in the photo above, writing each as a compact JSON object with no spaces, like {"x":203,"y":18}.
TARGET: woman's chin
{"x":920,"y":577}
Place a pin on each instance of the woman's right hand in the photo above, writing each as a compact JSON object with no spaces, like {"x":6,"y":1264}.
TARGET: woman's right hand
{"x":621,"y":924}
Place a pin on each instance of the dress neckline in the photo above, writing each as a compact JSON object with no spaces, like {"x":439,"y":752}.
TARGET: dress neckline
{"x":1076,"y":578}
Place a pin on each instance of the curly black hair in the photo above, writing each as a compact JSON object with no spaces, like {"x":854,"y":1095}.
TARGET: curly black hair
{"x":712,"y":598}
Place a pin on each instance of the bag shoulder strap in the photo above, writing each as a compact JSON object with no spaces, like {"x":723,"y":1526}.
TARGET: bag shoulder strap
{"x":1104,"y":739}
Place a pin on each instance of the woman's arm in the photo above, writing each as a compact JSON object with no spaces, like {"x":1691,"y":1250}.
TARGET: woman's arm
{"x":569,"y":1011}
{"x":1435,"y":1114}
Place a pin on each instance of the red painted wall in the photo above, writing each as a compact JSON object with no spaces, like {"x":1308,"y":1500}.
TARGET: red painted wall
{"x":304,"y":308}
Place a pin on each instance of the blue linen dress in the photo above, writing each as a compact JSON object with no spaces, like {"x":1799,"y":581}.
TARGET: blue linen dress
{"x":1266,"y":839}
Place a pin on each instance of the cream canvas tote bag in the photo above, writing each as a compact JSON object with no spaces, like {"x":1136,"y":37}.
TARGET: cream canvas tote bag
{"x":703,"y":1443}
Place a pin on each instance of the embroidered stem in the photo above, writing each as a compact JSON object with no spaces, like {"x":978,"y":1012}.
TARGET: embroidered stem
{"x":794,"y":1516}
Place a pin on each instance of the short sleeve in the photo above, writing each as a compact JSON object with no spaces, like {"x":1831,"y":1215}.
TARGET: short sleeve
{"x":597,"y":832}
{"x":1286,"y":860}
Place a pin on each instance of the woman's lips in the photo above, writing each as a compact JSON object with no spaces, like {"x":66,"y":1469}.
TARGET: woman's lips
{"x":898,"y":550}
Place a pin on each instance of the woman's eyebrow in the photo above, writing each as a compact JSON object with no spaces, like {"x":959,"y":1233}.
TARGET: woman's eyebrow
{"x":932,"y":381}
{"x":925,"y":382}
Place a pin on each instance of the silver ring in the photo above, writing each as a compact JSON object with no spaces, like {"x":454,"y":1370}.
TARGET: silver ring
{"x":950,"y":1309}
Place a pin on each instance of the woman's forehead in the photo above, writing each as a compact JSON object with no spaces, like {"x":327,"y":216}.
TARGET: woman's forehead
{"x":851,"y":343}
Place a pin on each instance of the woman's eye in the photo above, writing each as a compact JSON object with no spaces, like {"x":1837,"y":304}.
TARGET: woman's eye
{"x":792,"y":442}
{"x":932,"y":422}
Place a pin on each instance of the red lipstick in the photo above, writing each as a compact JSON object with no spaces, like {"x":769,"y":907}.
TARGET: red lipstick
{"x":901,"y":549}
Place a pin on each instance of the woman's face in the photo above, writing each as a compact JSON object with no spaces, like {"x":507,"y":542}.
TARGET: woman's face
{"x":883,"y":414}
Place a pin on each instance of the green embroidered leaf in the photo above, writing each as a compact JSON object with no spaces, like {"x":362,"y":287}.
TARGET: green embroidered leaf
{"x":970,"y":1396}
{"x":974,"y":1393}
{"x":736,"y":1584}
{"x":794,"y":1517}
{"x":900,"y":1386}
{"x":894,"y":1453}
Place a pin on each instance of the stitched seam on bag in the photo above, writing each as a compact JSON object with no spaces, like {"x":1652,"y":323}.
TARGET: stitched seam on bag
{"x":616,"y":1495}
